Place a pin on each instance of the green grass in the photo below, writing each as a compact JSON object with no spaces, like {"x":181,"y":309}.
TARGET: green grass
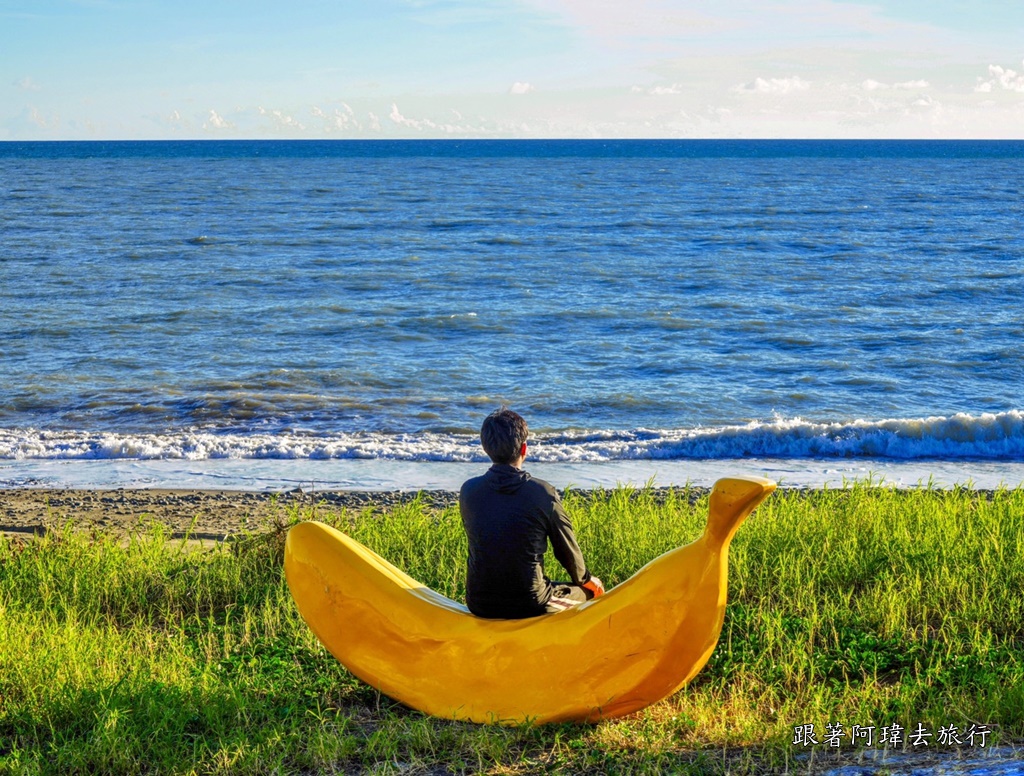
{"x":865,"y":606}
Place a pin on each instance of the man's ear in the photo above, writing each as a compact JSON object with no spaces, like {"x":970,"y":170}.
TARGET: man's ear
{"x":522,"y":450}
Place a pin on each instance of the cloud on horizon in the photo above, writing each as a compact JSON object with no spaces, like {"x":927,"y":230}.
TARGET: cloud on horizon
{"x":657,"y":91}
{"x":216,"y":122}
{"x":873,"y":85}
{"x":773,"y":86}
{"x":281,"y":120}
{"x":429,"y":126}
{"x":1003,"y":77}
{"x":652,"y":68}
{"x":342,"y":119}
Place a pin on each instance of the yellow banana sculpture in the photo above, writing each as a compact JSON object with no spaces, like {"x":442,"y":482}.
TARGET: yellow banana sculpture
{"x":638,"y":643}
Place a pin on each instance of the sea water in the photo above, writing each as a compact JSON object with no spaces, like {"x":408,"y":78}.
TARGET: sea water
{"x":344,"y":314}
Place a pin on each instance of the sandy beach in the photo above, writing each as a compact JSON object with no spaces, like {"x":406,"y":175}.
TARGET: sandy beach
{"x":198,"y":514}
{"x":209,"y":514}
{"x":194,"y":513}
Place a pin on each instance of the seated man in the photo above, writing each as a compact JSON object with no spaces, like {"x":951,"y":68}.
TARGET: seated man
{"x":509,"y":518}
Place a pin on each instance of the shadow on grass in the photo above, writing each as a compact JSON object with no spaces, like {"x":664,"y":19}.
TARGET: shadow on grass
{"x":218,"y":727}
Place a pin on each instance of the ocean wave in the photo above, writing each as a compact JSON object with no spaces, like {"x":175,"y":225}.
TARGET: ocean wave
{"x":993,"y":437}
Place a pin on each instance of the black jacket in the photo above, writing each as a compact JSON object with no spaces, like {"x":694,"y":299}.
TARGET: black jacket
{"x":509,"y":518}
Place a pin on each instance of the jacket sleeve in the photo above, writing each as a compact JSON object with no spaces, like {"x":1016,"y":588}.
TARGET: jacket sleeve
{"x":563,"y":543}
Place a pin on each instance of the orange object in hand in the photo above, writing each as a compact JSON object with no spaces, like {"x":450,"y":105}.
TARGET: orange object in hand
{"x":594,"y":585}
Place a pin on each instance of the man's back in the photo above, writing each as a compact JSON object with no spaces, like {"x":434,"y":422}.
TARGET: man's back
{"x":509,"y":518}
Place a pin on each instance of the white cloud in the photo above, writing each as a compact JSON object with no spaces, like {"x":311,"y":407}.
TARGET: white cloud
{"x":774,"y":86}
{"x":431,"y":127}
{"x":216,"y":121}
{"x":340,"y":119}
{"x":519,"y":87}
{"x":871,"y":85}
{"x":39,"y":119}
{"x":176,"y":121}
{"x":1002,"y":77}
{"x":657,"y":91}
{"x":918,"y":84}
{"x":397,"y":117}
{"x":281,"y":120}
{"x":27,"y":84}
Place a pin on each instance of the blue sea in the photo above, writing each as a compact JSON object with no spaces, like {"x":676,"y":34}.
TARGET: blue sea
{"x":343,"y":314}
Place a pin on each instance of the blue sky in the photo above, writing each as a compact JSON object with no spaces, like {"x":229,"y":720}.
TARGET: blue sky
{"x":140,"y":69}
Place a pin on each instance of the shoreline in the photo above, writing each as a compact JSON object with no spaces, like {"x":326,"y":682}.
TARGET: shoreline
{"x":385,"y":475}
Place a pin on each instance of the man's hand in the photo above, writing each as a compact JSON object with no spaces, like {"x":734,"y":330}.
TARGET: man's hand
{"x":594,"y":586}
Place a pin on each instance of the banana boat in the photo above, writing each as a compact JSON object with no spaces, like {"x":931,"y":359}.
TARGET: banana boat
{"x":638,"y":643}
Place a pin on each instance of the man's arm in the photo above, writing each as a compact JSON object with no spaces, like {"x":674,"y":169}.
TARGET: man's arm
{"x":563,"y":543}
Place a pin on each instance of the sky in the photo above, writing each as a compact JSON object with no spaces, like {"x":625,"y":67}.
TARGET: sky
{"x":156,"y":69}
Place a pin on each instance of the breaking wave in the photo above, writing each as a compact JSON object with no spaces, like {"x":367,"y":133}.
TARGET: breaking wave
{"x":994,"y":437}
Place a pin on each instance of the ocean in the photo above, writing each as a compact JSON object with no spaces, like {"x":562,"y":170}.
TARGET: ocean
{"x":343,"y":314}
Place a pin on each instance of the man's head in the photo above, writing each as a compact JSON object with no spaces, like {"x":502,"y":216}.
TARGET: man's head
{"x":503,"y":435}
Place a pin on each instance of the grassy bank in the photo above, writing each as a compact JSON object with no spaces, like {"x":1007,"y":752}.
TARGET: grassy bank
{"x":865,"y":606}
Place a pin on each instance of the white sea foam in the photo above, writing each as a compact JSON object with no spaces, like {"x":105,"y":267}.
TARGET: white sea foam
{"x":990,"y":437}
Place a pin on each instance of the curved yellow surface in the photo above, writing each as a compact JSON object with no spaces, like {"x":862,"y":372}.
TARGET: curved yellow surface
{"x":633,"y":646}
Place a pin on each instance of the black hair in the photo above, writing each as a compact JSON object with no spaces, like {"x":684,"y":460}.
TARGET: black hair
{"x":503,"y":435}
